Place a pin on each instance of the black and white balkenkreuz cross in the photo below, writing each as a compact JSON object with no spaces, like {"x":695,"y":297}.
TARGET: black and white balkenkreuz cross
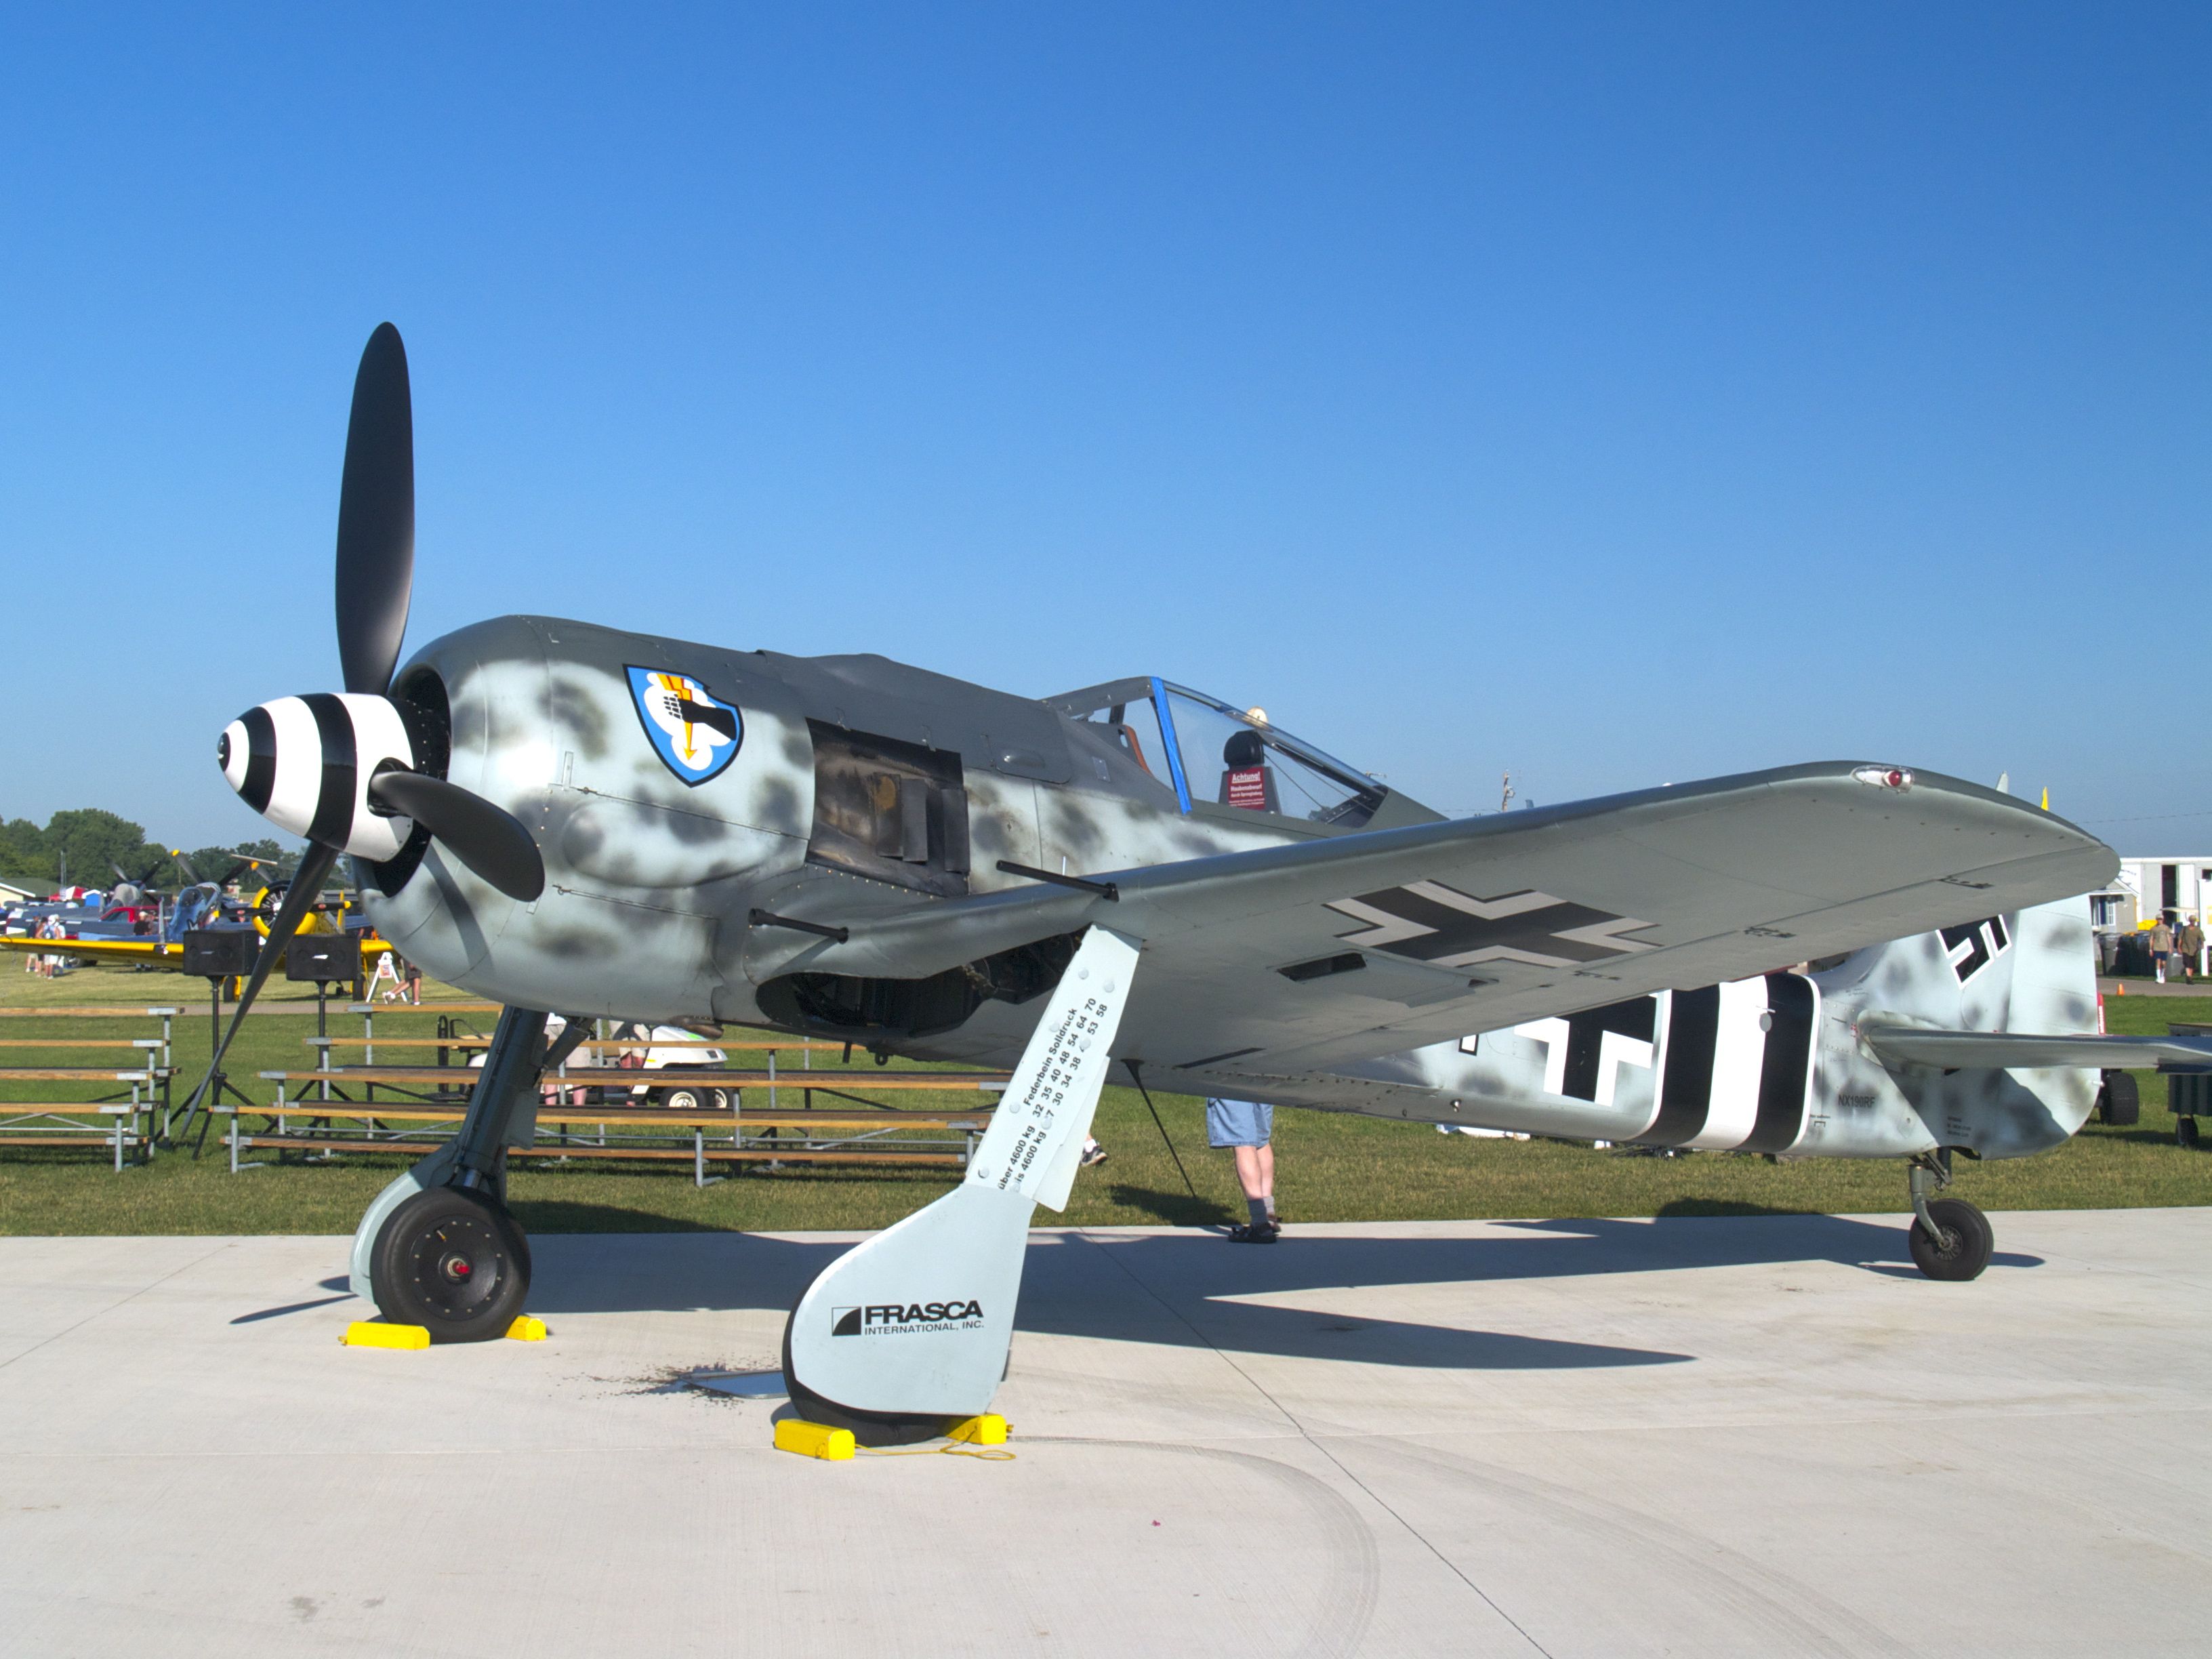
{"x":1975,"y":946}
{"x":1428,"y":922}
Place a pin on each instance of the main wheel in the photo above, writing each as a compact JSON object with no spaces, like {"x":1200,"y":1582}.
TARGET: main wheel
{"x":453,"y":1261}
{"x":1963,"y":1249}
{"x":2120,"y":1102}
{"x":2185,"y":1131}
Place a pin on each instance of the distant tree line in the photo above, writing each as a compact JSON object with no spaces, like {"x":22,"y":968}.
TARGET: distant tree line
{"x":85,"y":848}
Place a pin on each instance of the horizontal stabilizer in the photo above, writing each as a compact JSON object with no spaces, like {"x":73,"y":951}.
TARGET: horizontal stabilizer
{"x":1909,"y":1045}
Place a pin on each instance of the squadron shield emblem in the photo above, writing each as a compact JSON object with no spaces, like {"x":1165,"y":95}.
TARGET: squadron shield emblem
{"x":696,"y":735}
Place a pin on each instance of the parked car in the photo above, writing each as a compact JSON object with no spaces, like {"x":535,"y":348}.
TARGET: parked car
{"x":645,"y":1048}
{"x":653,"y":1053}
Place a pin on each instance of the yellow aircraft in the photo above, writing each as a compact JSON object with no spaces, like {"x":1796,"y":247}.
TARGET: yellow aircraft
{"x":200,"y":906}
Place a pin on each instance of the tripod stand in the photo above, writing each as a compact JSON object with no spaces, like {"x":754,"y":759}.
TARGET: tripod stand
{"x":219,"y":1082}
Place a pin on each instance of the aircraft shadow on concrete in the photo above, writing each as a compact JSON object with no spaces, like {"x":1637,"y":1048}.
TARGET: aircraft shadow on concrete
{"x":1191,"y":1289}
{"x":1692,"y":1236}
{"x":1194,"y":1290}
{"x":1180,"y":1294}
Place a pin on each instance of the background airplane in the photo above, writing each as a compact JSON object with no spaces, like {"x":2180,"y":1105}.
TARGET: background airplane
{"x":148,"y":928}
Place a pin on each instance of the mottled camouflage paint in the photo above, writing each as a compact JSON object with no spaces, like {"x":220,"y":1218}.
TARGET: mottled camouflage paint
{"x":2044,"y":983}
{"x":650,"y":880}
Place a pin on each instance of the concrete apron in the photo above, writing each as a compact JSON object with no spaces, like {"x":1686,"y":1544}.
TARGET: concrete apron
{"x":1755,"y":1436}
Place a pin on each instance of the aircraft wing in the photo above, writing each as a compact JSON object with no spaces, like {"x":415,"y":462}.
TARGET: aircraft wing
{"x":1904,"y":1045}
{"x":134,"y":952}
{"x":141,"y":952}
{"x":1286,"y":960}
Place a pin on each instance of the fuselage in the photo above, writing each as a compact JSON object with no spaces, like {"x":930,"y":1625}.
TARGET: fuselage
{"x":690,"y":801}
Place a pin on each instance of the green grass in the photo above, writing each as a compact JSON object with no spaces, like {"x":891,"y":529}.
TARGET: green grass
{"x":1330,"y":1167}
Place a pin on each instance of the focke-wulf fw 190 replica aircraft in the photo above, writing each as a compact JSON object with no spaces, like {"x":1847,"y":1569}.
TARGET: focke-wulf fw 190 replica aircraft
{"x":1845,"y":959}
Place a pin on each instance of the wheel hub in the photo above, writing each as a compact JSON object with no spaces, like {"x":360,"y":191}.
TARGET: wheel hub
{"x":457,"y":1267}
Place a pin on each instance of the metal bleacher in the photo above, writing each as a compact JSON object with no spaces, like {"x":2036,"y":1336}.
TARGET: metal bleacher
{"x":120,"y":1118}
{"x":607,"y":1111}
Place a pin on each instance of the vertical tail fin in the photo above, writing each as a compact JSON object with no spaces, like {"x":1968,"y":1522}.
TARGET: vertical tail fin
{"x":2034,"y":972}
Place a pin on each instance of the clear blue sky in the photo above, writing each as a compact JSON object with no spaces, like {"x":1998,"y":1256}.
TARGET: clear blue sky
{"x":1616,"y":394}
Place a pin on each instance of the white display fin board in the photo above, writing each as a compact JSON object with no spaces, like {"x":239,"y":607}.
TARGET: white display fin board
{"x":917,"y":1321}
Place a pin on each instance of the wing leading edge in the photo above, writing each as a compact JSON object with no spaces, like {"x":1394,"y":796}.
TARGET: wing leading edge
{"x":138,"y":953}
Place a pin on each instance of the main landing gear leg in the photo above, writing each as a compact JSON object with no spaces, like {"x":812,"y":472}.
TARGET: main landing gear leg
{"x":438,"y":1248}
{"x":1950,"y":1238}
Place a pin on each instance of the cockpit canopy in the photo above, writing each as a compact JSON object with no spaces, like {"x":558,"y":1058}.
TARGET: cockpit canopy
{"x":1208,"y":751}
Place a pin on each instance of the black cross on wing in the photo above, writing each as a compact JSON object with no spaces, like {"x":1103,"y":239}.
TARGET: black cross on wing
{"x":1428,"y":922}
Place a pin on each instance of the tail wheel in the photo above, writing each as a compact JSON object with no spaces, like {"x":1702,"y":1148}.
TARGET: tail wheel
{"x":455,"y":1262}
{"x":1961,"y":1250}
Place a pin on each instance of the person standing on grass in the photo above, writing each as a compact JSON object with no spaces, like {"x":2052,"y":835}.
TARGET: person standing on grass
{"x":1247,"y":1129}
{"x":56,"y":964}
{"x":2189,"y":944}
{"x":2162,"y":946}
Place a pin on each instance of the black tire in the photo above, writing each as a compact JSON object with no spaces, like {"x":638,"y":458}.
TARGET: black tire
{"x":1963,"y":1251}
{"x":2185,"y":1131}
{"x":681,"y":1100}
{"x":455,"y":1262}
{"x":521,"y":1243}
{"x":2119,"y":1102}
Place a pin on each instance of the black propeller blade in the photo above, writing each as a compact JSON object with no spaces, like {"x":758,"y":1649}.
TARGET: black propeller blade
{"x":306,"y":888}
{"x":376,"y":517}
{"x":130,"y":889}
{"x":489,"y":839}
{"x":376,"y":583}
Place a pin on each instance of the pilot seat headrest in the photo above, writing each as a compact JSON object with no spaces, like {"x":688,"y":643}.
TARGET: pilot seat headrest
{"x":1243,"y":749}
